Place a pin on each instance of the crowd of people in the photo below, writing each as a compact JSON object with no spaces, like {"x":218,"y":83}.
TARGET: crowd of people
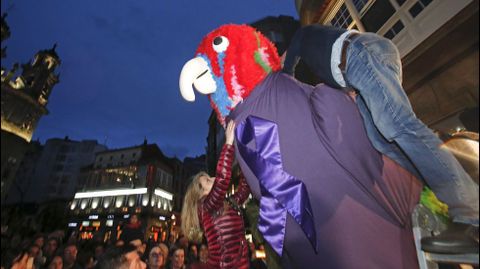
{"x":218,"y":217}
{"x":54,"y":251}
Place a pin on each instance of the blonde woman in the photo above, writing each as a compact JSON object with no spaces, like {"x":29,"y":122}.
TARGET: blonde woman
{"x":206,"y":210}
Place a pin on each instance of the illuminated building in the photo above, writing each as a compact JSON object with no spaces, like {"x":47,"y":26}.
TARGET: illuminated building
{"x":24,"y":99}
{"x":134,"y":180}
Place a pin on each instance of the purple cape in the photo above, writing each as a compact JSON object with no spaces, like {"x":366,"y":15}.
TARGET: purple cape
{"x":361,"y":201}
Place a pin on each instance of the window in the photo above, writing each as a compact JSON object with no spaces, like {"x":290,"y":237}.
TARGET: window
{"x":377,"y":15}
{"x":396,"y":28}
{"x":359,"y":4}
{"x":419,"y":7}
{"x":58,"y":168}
{"x":87,"y":148}
{"x":63,"y":148}
{"x":342,"y":18}
{"x":400,"y":2}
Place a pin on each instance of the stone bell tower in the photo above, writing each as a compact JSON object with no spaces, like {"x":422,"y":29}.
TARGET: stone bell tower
{"x":23,"y":103}
{"x":24,"y":99}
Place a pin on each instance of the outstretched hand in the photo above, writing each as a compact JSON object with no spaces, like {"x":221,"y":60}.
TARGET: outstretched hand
{"x":229,"y":132}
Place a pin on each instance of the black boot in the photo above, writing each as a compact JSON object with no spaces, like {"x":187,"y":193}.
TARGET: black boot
{"x":458,"y":238}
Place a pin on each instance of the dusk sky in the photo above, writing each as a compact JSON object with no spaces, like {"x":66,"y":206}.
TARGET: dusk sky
{"x":120,"y":65}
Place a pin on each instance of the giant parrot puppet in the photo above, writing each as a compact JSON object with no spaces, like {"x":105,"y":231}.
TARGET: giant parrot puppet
{"x":328,"y":199}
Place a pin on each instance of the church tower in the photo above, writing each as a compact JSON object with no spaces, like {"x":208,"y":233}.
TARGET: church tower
{"x":24,"y":99}
{"x":23,"y":103}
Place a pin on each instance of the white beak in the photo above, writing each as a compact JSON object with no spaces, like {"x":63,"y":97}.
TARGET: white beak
{"x":196,"y":72}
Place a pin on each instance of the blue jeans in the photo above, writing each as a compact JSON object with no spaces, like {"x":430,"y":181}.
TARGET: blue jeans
{"x":374,"y":69}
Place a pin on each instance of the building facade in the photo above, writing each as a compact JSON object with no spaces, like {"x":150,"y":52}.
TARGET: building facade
{"x":135,"y":180}
{"x":438,"y":43}
{"x":53,"y":172}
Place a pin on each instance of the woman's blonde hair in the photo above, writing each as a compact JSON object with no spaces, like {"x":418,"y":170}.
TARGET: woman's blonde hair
{"x":190,"y":223}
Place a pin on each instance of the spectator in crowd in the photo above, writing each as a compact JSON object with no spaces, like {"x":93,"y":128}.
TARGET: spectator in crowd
{"x":125,"y":256}
{"x":35,"y":252}
{"x":192,"y":254}
{"x":56,"y":263}
{"x":202,"y":258}
{"x":177,"y":257}
{"x":156,"y":259}
{"x":171,"y":241}
{"x":50,"y":248}
{"x":98,"y":251}
{"x":70,"y":257}
{"x":39,"y":240}
{"x":164,"y":248}
{"x":140,"y":245}
{"x":86,"y":259}
{"x":132,"y":230}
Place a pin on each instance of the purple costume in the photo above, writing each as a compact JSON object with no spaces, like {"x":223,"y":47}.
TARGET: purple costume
{"x":361,"y":201}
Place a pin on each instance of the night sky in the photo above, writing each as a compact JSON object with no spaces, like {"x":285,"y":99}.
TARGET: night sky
{"x":120,"y":65}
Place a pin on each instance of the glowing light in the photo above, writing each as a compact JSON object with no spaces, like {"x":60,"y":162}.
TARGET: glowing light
{"x":260,"y":254}
{"x":95,"y":203}
{"x":131,"y":201}
{"x":164,"y":194}
{"x":119,"y":202}
{"x":12,"y":128}
{"x":106,"y":202}
{"x":83,"y":204}
{"x":110,"y":193}
{"x":145,"y":200}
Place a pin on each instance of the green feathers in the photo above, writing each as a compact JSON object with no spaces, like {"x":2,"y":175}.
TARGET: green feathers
{"x":429,"y":200}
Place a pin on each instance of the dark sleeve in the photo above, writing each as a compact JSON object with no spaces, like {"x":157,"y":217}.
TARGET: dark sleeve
{"x":242,"y":191}
{"x":293,"y":53}
{"x":215,"y":198}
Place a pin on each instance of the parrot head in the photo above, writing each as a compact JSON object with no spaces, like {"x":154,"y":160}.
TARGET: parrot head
{"x":229,"y":62}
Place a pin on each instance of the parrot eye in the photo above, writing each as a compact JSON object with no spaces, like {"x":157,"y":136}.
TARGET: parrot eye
{"x":220,"y":44}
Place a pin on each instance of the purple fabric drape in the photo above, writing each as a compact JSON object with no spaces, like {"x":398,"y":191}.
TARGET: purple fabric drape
{"x":281,"y":192}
